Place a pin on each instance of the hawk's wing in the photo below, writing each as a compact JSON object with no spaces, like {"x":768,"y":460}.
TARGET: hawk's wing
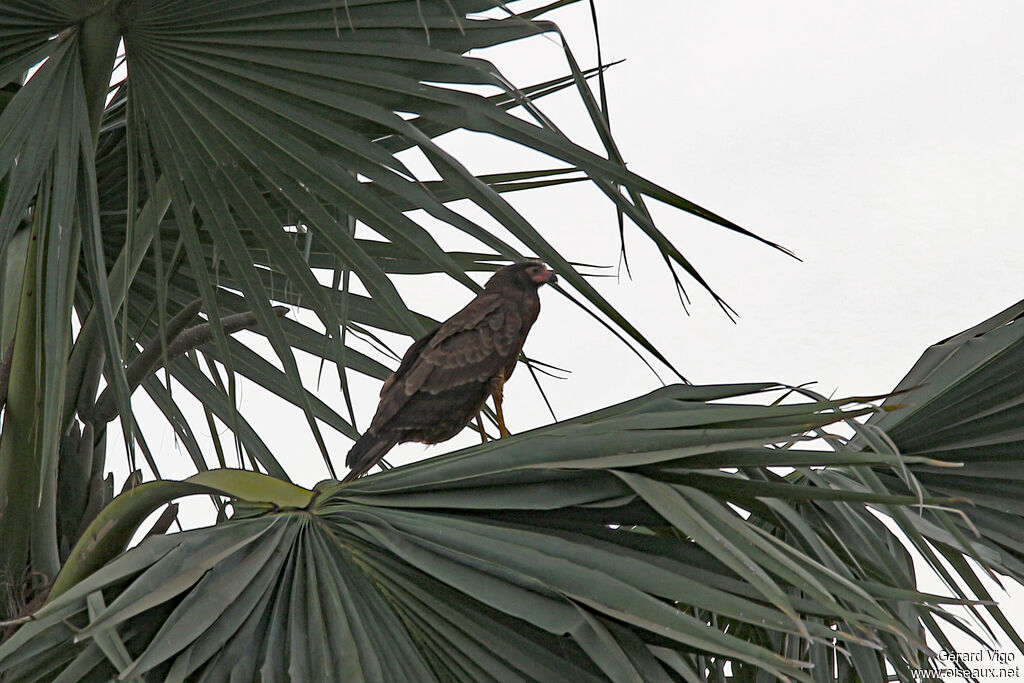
{"x":472,"y":346}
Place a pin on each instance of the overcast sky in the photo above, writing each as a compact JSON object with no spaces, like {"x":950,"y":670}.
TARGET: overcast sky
{"x":881,"y":141}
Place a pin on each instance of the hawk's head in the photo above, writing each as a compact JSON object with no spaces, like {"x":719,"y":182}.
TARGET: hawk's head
{"x":524,"y":275}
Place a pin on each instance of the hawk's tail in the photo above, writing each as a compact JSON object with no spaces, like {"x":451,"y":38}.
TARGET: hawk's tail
{"x":367,"y":452}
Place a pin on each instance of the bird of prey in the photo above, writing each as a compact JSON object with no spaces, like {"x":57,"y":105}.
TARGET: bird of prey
{"x":447,"y":375}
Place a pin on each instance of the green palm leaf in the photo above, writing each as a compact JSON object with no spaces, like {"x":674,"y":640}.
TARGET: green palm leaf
{"x":963,"y":404}
{"x":549,"y":555}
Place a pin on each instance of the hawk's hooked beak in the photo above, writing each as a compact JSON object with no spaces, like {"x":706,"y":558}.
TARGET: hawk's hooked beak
{"x":545,"y":276}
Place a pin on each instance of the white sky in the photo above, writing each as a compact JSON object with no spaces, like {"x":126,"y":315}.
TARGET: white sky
{"x":880,"y":141}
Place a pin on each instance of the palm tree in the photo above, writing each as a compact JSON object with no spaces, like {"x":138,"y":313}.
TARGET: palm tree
{"x":208,"y":177}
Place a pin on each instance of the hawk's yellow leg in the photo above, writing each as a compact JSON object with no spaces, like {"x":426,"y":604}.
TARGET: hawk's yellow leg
{"x":480,"y":426}
{"x":496,"y":394}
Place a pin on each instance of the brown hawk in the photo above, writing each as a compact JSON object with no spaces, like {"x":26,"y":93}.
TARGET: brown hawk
{"x":447,"y":375}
